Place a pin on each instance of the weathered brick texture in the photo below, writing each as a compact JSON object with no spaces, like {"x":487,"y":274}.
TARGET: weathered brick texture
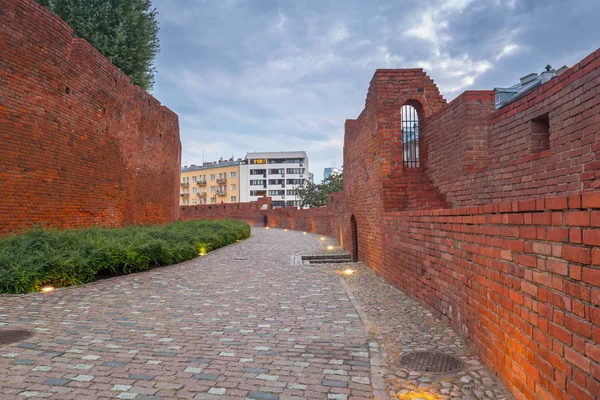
{"x":515,"y":264}
{"x":79,"y":145}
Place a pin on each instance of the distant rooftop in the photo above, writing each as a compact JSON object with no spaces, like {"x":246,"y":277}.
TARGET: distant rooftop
{"x":276,"y":154}
{"x":527,"y":84}
{"x":212,"y":164}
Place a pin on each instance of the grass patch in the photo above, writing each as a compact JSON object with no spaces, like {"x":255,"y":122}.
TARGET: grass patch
{"x":72,"y":257}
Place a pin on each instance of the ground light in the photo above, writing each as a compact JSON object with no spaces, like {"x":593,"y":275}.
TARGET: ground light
{"x":330,"y":247}
{"x":47,"y":289}
{"x":322,"y":238}
{"x":304,"y":233}
{"x":202,"y":251}
{"x":266,"y":227}
{"x":416,"y":396}
{"x":285,"y":230}
{"x":348,"y":271}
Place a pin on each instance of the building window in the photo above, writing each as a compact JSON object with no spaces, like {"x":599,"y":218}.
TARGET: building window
{"x":212,"y":188}
{"x":193,"y":202}
{"x":258,"y":172}
{"x":410,"y":136}
{"x":292,"y":192}
{"x":194,"y":179}
{"x":213,"y":200}
{"x":257,"y":182}
{"x":193,"y":190}
{"x":276,"y":192}
{"x":295,"y":181}
{"x":185,"y":202}
{"x":258,"y":192}
{"x":233,"y":199}
{"x":276,"y":171}
{"x":258,"y":161}
{"x":212,"y":177}
{"x":233,"y":174}
{"x":295,"y":171}
{"x":276,"y":181}
{"x":279,"y":203}
{"x":232,"y":187}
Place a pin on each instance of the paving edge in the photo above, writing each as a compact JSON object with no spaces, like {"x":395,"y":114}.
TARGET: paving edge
{"x":377,"y":369}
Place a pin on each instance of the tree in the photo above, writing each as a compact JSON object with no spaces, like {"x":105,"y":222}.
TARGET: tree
{"x":124,"y":31}
{"x":315,"y":195}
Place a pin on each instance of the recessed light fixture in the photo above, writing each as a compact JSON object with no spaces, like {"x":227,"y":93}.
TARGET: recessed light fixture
{"x":48,"y":289}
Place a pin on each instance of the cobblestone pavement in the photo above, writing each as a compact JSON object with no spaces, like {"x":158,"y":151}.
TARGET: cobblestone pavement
{"x":246,"y":321}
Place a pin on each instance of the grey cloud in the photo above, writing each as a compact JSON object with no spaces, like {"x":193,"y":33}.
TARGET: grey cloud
{"x":288,"y":73}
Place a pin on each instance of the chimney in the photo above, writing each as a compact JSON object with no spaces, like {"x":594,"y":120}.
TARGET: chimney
{"x":528,"y":78}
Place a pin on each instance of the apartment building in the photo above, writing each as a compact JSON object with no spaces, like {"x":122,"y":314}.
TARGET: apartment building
{"x":327,"y":172}
{"x":211,"y":183}
{"x":273,"y":174}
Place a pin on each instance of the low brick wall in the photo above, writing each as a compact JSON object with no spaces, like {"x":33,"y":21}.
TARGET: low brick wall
{"x":520,"y":280}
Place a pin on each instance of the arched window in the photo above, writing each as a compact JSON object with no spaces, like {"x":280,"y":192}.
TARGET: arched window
{"x":410,"y":136}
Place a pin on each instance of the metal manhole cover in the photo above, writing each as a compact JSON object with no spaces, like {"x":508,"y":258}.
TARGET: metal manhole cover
{"x":432,"y":362}
{"x":14,"y":335}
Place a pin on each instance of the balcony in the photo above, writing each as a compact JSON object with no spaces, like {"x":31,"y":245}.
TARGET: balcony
{"x":185,"y":184}
{"x":221,"y":192}
{"x":201,"y":194}
{"x":222,"y":180}
{"x":201,"y":183}
{"x":185,"y":195}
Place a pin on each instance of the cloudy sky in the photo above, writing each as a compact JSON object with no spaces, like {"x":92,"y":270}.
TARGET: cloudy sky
{"x":275,"y":75}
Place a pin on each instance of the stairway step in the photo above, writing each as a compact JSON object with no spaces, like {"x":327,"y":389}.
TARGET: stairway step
{"x":331,"y":261}
{"x":327,"y":257}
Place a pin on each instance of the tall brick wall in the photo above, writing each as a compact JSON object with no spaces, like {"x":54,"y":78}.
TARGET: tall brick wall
{"x":80,"y":145}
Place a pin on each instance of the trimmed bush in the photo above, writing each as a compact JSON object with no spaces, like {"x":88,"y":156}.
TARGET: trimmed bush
{"x":72,"y":257}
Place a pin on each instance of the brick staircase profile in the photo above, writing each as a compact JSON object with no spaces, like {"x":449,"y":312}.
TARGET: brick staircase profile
{"x":412,"y":190}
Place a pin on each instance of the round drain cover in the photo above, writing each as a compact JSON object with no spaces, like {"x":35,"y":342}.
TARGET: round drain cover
{"x":13,"y":335}
{"x":432,"y":362}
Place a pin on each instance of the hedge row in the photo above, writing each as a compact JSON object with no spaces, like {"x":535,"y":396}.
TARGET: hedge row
{"x":71,"y":257}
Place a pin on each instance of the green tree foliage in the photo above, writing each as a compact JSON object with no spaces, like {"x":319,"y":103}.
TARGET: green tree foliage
{"x":315,"y":195}
{"x":125,"y":31}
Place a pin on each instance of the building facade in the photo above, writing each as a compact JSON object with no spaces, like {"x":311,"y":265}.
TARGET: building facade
{"x":211,"y":183}
{"x":327,"y":172}
{"x":273,"y":174}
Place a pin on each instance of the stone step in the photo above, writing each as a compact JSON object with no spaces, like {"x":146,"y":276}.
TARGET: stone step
{"x":327,"y":257}
{"x":331,"y":261}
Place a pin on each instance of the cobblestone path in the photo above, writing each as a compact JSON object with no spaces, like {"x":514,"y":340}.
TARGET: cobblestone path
{"x":246,"y":321}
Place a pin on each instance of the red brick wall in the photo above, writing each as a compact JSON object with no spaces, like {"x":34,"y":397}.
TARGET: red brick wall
{"x":105,"y":153}
{"x":324,"y":220}
{"x":476,"y":155}
{"x":521,"y":281}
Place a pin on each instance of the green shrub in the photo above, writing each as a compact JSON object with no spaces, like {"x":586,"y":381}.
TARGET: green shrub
{"x":72,"y":257}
